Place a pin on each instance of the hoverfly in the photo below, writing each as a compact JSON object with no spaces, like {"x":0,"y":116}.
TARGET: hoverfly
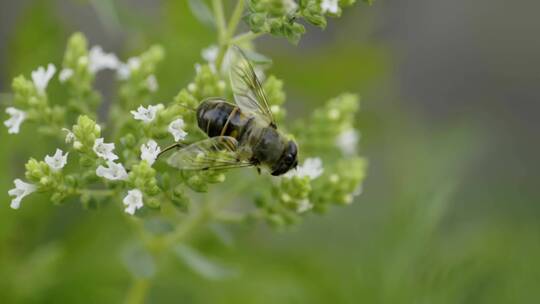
{"x":244,"y":134}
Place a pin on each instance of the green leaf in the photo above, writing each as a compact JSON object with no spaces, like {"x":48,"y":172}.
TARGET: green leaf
{"x":201,"y":265}
{"x":201,"y":11}
{"x":138,"y":261}
{"x":257,"y":58}
{"x":158,"y":226}
{"x":222,"y":234}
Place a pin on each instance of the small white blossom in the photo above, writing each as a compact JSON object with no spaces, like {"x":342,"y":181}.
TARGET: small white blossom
{"x":151,"y":83}
{"x":133,"y":201}
{"x":65,"y":74}
{"x":150,"y":151}
{"x":347,"y":141}
{"x":21,"y":190}
{"x":99,"y":60}
{"x":210,"y":53}
{"x":192,"y":87}
{"x":311,"y":168}
{"x":41,"y":77}
{"x":148,"y":114}
{"x":330,"y":6}
{"x":57,"y":161}
{"x":15,"y":121}
{"x":70,"y":137}
{"x":303,"y":206}
{"x":113,"y":172}
{"x":124,"y":69}
{"x":176,"y":128}
{"x":104,"y":150}
{"x":289,"y":5}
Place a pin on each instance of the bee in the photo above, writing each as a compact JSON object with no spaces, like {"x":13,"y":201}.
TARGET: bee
{"x":244,"y":134}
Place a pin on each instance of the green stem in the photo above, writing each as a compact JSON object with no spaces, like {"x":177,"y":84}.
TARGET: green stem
{"x":219,"y":14}
{"x":200,"y":217}
{"x":96,"y":192}
{"x":235,"y":19}
{"x":137,"y":292}
{"x":245,"y":37}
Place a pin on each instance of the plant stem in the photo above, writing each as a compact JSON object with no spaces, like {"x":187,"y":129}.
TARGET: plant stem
{"x":192,"y":222}
{"x":245,"y":37}
{"x":137,"y":292}
{"x":235,"y":19}
{"x":96,"y":192}
{"x":219,"y":14}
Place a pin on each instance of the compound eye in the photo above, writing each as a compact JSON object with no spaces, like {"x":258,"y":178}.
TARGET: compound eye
{"x":288,"y":158}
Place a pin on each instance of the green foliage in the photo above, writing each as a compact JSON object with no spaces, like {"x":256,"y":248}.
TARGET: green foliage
{"x":412,"y":239}
{"x":126,"y":166}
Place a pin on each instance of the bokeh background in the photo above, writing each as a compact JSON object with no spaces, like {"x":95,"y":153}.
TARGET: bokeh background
{"x":450,"y":210}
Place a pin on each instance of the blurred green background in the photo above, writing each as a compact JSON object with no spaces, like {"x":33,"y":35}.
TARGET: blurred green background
{"x":449,"y":123}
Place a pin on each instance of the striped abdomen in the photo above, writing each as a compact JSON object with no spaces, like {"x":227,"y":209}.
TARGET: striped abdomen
{"x":219,"y":118}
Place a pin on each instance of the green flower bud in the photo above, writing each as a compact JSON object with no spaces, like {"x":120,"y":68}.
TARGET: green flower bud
{"x":36,"y":171}
{"x":257,"y":22}
{"x":180,"y":199}
{"x":207,"y":83}
{"x":197,"y":183}
{"x":143,"y":177}
{"x":86,"y":131}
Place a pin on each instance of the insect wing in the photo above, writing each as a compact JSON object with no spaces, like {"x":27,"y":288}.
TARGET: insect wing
{"x":247,"y":88}
{"x":213,"y":153}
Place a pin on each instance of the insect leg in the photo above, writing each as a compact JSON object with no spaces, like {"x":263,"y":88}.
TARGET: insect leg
{"x":173,"y":146}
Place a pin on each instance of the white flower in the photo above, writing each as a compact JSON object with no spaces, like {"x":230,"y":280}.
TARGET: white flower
{"x":148,"y":114}
{"x":124,"y":69}
{"x":150,"y":151}
{"x":347,"y":141}
{"x":330,"y":6}
{"x":21,"y":190}
{"x":113,"y":172}
{"x":65,"y":74}
{"x":70,"y":137}
{"x":303,"y":206}
{"x":99,"y":60}
{"x":151,"y":83}
{"x":41,"y":77}
{"x":192,"y":87}
{"x":176,"y":128}
{"x":210,"y":53}
{"x":104,"y":150}
{"x":57,"y":161}
{"x":15,"y":121}
{"x":289,"y":5}
{"x":133,"y":201}
{"x":312,"y":168}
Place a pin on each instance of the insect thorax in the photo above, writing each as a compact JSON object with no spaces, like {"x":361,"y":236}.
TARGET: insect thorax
{"x":263,"y":144}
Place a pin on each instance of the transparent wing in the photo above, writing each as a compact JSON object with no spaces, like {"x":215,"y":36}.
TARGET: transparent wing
{"x":214,"y":153}
{"x":247,"y":88}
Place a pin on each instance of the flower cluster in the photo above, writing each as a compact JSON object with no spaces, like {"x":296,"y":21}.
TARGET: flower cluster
{"x":280,"y":17}
{"x":116,"y":158}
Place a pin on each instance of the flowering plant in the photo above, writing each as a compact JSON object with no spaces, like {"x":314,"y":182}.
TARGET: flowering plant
{"x":113,"y":159}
